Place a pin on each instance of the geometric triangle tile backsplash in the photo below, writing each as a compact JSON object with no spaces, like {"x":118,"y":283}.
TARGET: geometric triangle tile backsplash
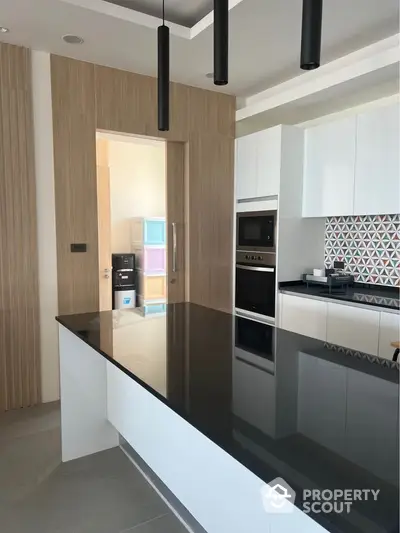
{"x":369,"y":245}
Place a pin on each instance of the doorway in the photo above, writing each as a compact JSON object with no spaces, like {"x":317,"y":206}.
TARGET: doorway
{"x":140,"y":202}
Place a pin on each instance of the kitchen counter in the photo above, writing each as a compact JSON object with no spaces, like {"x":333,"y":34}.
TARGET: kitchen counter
{"x":268,"y":403}
{"x":386,"y":298}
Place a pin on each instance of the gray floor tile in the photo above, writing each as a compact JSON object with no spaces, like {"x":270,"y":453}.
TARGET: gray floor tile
{"x":101,"y":493}
{"x":111,"y":463}
{"x":165,"y":524}
{"x":27,"y":461}
{"x":87,"y":501}
{"x":23,"y":422}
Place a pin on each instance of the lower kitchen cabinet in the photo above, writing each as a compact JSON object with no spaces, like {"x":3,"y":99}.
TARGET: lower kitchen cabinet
{"x":389,"y":331}
{"x":365,"y":330}
{"x":353,"y":327}
{"x":304,"y":316}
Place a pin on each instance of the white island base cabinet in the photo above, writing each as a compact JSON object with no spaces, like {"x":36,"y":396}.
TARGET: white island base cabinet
{"x":99,"y":401}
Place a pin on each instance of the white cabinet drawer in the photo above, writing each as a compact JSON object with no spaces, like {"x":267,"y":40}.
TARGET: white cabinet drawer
{"x":389,"y":331}
{"x":304,"y":316}
{"x":353,"y":327}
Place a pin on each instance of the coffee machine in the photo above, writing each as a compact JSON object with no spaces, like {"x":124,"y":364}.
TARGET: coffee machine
{"x":123,"y":281}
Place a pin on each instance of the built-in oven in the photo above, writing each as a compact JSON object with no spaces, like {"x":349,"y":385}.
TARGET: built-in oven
{"x":256,"y":231}
{"x":256,"y":285}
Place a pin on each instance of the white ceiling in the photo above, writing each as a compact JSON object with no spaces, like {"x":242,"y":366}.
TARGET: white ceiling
{"x":184,"y":12}
{"x":264,"y":36}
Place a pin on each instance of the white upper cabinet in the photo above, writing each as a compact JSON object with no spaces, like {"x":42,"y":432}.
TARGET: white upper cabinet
{"x":329,"y":165}
{"x":377,"y":182}
{"x":246,"y":167}
{"x":258,"y":163}
{"x":269,"y":162}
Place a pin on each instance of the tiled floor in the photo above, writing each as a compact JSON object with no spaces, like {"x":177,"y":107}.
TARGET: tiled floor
{"x":102,"y":493}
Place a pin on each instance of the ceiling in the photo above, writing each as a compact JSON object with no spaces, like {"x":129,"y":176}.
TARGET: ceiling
{"x":184,"y":12}
{"x":264,"y":35}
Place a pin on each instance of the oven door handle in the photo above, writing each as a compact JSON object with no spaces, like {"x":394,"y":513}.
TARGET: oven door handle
{"x":257,"y":269}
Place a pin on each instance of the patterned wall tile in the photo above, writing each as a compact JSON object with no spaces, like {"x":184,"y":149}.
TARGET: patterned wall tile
{"x":369,"y":245}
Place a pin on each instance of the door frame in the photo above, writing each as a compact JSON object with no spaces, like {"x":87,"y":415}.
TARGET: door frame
{"x":175,"y":181}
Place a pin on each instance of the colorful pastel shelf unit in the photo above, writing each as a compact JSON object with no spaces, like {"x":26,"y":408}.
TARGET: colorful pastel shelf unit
{"x":148,"y":237}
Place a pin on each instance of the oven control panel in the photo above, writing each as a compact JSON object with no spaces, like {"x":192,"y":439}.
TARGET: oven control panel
{"x":255,"y":258}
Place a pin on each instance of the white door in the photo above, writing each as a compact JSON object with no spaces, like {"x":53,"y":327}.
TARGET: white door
{"x":304,"y":316}
{"x":268,"y":161}
{"x":329,"y":165}
{"x":246,"y":167}
{"x":389,"y":331}
{"x":353,"y":327}
{"x":377,"y":184}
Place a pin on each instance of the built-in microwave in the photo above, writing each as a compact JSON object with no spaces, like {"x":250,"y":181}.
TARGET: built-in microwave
{"x":256,"y":231}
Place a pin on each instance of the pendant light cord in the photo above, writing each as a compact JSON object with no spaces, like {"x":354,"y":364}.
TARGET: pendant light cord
{"x":163,"y":12}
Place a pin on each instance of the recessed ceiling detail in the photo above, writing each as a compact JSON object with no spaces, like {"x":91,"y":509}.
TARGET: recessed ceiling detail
{"x":263,"y":47}
{"x":184,"y":12}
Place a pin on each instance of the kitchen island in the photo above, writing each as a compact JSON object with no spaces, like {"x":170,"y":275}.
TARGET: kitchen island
{"x":217,"y":406}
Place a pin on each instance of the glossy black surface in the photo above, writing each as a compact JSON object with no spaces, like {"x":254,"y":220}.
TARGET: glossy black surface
{"x":375,"y":296}
{"x":282,"y":404}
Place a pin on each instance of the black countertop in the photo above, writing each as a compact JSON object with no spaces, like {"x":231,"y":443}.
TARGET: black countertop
{"x":360,"y":293}
{"x":282,"y":404}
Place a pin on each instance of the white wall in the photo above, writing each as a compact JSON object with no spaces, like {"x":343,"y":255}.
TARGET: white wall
{"x":46,"y":224}
{"x":137,"y":186}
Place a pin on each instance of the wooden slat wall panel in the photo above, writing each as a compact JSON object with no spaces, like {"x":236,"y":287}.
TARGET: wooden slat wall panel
{"x":75,"y":183}
{"x":19,"y":297}
{"x":210,"y":233}
{"x":127,"y":102}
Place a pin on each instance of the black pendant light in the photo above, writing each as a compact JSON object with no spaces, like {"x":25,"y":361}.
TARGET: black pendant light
{"x":311,"y":34}
{"x":221,"y":41}
{"x":163,"y":74}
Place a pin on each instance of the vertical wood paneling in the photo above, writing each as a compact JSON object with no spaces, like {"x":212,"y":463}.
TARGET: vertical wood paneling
{"x":19,"y":298}
{"x":74,"y":126}
{"x":126,"y":102}
{"x":210,"y":208}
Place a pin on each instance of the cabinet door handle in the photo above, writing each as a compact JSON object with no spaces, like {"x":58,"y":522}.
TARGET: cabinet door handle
{"x":174,"y":248}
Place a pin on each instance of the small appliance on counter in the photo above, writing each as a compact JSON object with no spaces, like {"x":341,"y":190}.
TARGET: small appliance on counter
{"x":335,"y":279}
{"x":123,"y":281}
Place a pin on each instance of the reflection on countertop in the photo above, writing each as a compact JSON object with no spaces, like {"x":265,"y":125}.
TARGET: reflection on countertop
{"x":282,"y":404}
